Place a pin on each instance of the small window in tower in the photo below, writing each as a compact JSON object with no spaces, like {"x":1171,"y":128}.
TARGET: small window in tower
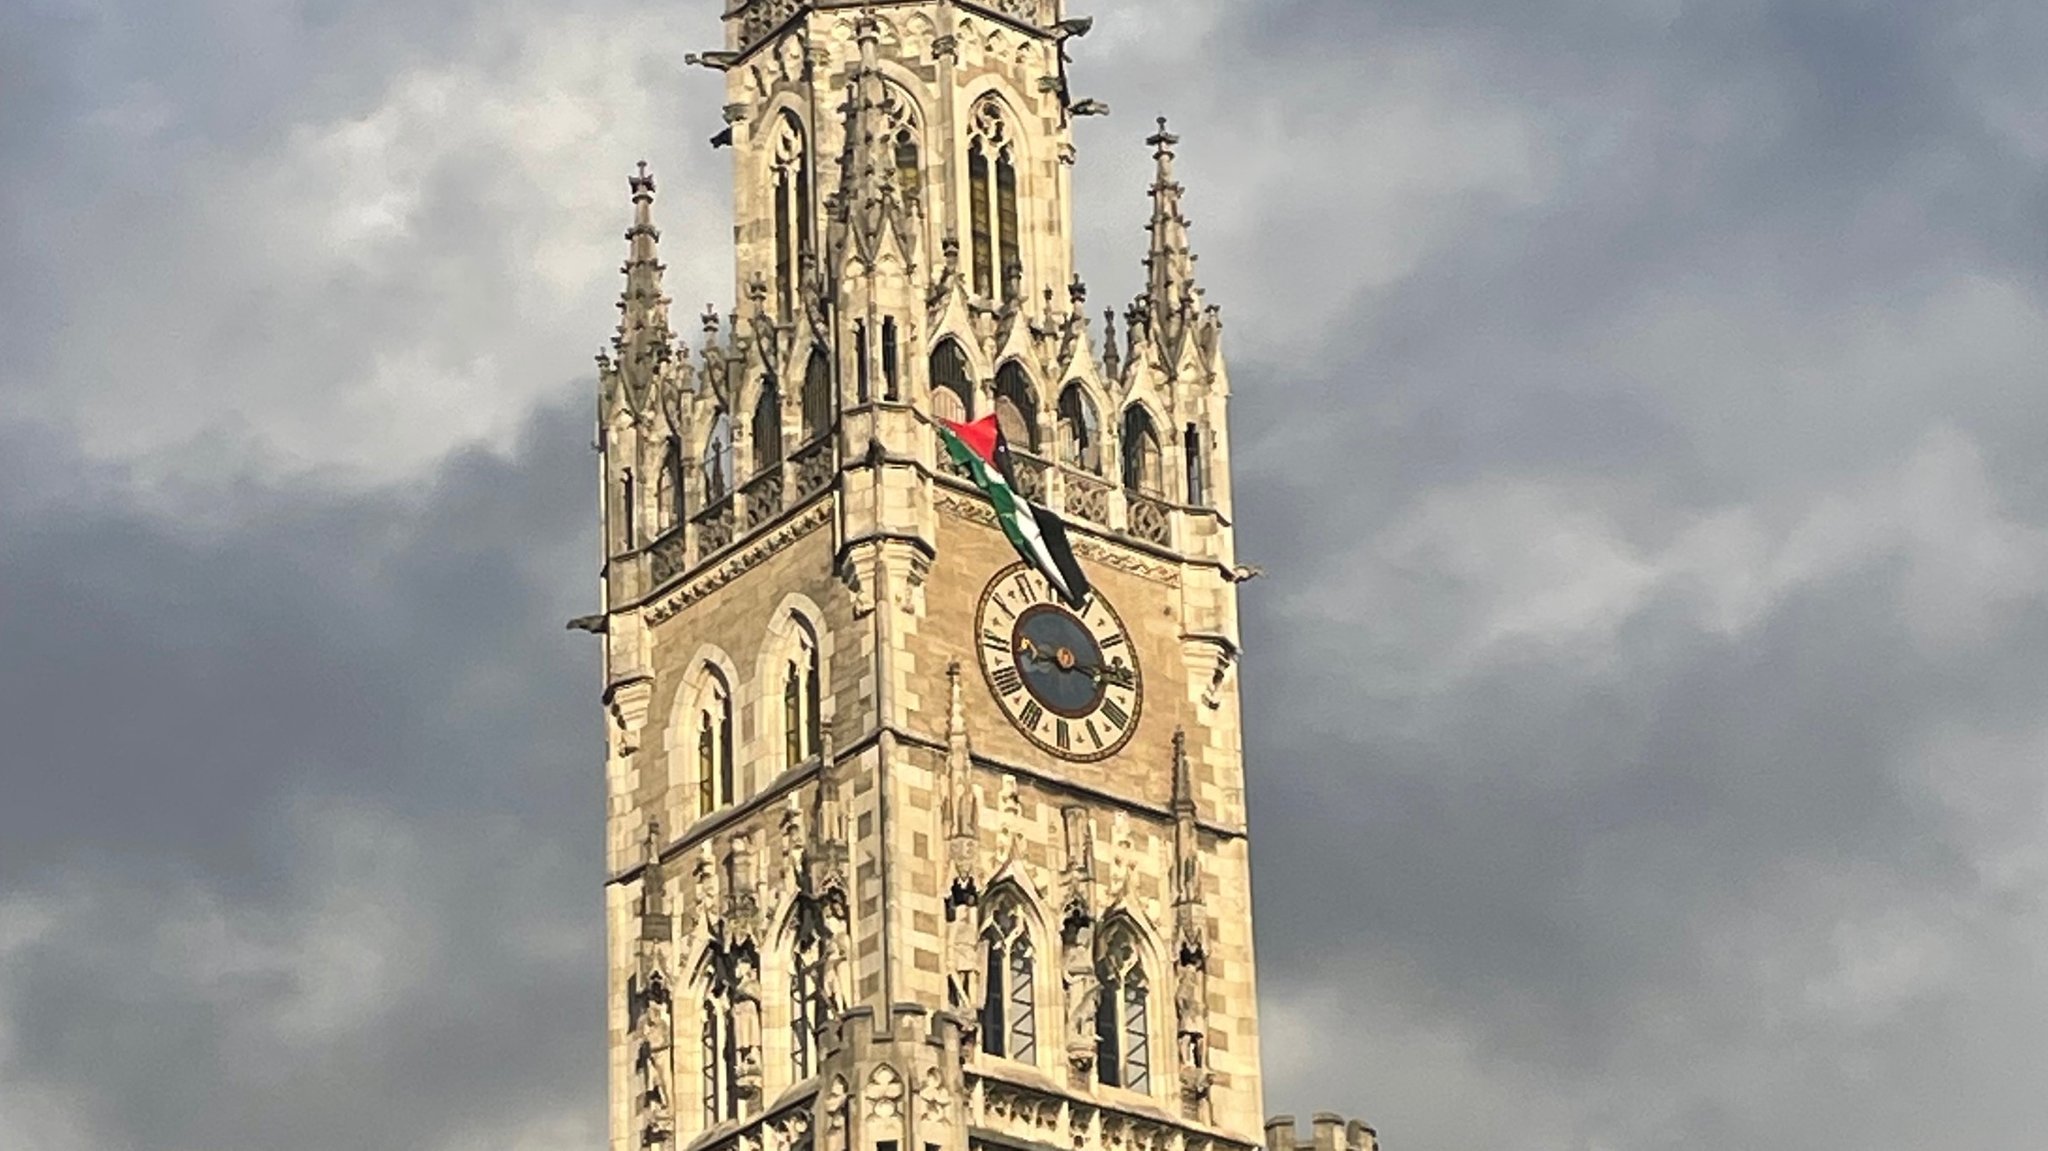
{"x":1009,"y":1022}
{"x":952,"y":390}
{"x":1198,"y":466}
{"x":983,"y":256}
{"x":1080,"y":430}
{"x":714,"y":746}
{"x":767,"y":429}
{"x":791,"y":170}
{"x":1123,"y":1027}
{"x":997,"y":258}
{"x":1017,"y":407}
{"x":1011,"y":247}
{"x":862,"y":373}
{"x":1141,"y":453}
{"x":803,"y":731}
{"x":672,"y":506}
{"x":718,"y":460}
{"x":629,"y":519}
{"x":817,"y":395}
{"x":891,"y":373}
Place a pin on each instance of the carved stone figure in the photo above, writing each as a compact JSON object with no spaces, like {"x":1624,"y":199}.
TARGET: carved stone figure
{"x":964,"y":956}
{"x":1084,"y":991}
{"x":1191,"y":1009}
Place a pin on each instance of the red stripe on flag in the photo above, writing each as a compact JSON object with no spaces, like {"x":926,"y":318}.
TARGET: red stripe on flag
{"x":979,"y":436}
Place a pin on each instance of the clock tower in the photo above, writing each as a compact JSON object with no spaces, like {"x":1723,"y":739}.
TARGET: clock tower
{"x":905,"y":852}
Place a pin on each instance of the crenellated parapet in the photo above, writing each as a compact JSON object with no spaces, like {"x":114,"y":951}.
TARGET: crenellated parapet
{"x":1328,"y":1131}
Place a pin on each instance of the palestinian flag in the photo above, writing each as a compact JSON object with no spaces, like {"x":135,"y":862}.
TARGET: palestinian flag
{"x":1038,"y":535}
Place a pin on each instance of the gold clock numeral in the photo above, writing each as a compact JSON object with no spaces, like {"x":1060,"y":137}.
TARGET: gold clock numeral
{"x":1008,"y":680}
{"x":1031,"y":714}
{"x":1115,"y":714}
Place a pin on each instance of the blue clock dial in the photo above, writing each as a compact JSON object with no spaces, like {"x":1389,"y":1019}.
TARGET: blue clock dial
{"x":1068,"y":680}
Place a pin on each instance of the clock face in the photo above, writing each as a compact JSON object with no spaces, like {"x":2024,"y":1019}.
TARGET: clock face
{"x":1068,"y":680}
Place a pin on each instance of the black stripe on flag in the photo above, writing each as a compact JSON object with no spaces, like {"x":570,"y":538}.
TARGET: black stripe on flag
{"x":1053,"y":530}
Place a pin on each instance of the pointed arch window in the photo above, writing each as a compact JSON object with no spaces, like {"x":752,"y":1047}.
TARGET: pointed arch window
{"x":902,"y":138}
{"x":1141,"y":453}
{"x":714,"y":748}
{"x":1017,"y":407}
{"x":952,"y":390}
{"x":992,"y":205}
{"x":719,"y":1055}
{"x":791,"y":167}
{"x":670,"y":491}
{"x":1009,"y":1013}
{"x":1123,"y":1016}
{"x":891,"y":373}
{"x":1080,"y":430}
{"x":801,"y":696}
{"x":1197,"y":464}
{"x":717,"y":460}
{"x":806,"y":988}
{"x":767,"y":427}
{"x":863,"y":374}
{"x":629,"y":511}
{"x":817,"y":401}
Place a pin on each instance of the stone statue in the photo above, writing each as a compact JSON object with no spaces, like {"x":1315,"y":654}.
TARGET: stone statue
{"x":657,"y":1039}
{"x":1191,"y":1009}
{"x":964,"y":957}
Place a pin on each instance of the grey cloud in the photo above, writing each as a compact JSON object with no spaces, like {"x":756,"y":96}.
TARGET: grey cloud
{"x":1692,"y":799}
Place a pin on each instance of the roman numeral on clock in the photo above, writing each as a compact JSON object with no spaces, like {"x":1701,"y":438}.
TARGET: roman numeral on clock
{"x":995,"y":641}
{"x":1113,"y":642}
{"x":1031,"y":714}
{"x":1007,"y":680}
{"x":1115,"y":714}
{"x":1060,"y":737}
{"x":1094,"y":735}
{"x":1024,"y":588}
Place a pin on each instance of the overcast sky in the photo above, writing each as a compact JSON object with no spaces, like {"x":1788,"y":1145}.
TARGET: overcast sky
{"x":1639,"y":415}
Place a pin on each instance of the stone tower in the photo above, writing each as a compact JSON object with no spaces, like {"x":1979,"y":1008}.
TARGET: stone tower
{"x":903,"y":854}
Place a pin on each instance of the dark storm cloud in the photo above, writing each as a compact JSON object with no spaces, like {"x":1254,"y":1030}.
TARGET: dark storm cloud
{"x":1637,"y":411}
{"x":308,"y":798}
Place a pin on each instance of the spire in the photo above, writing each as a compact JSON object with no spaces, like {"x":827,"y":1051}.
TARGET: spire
{"x":644,"y":340}
{"x":1187,"y":846}
{"x":962,"y":815}
{"x":1170,"y":284}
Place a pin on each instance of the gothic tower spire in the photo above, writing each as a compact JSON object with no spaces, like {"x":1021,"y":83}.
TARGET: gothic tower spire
{"x":644,"y":337}
{"x":1172,"y":297}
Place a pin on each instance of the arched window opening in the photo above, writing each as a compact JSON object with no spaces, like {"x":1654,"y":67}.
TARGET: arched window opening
{"x":817,"y":402}
{"x":767,"y":428}
{"x":1198,"y":466}
{"x":952,"y":390}
{"x":629,"y":517}
{"x":891,"y":373}
{"x":1123,"y":1024}
{"x":862,"y":374}
{"x":670,"y":492}
{"x":714,"y":748}
{"x":807,"y":989}
{"x":718,"y":460}
{"x":992,"y":207}
{"x":803,"y":731}
{"x":1016,"y":407}
{"x":719,"y":1060}
{"x":791,"y":165}
{"x":1141,"y":453}
{"x":902,"y":137}
{"x":1009,"y":1020}
{"x":1080,"y":430}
